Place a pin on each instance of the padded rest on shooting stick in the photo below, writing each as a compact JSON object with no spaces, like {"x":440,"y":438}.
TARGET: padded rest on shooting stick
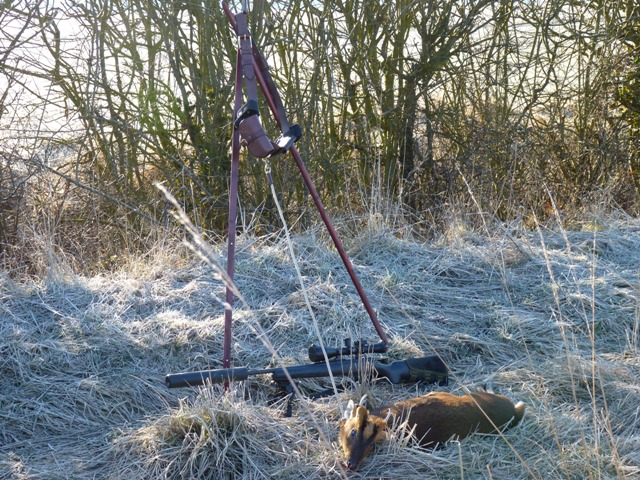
{"x":247,"y":118}
{"x":255,"y":138}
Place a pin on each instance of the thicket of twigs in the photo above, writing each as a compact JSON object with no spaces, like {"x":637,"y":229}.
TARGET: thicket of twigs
{"x":410,"y":103}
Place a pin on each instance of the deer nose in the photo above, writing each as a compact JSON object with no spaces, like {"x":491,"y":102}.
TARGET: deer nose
{"x":352,"y":465}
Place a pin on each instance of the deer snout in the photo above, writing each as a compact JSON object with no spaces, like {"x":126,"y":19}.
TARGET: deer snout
{"x":352,"y":465}
{"x":354,"y":460}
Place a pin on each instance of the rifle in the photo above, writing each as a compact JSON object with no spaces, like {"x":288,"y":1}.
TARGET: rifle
{"x":429,"y":369}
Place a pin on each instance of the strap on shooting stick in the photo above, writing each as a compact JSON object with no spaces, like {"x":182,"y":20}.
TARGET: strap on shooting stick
{"x":248,"y":117}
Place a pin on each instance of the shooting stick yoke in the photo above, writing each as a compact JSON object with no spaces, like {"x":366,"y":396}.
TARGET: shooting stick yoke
{"x":251,"y":66}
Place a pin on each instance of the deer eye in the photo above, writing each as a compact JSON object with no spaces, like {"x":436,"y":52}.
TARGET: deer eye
{"x":353,"y":433}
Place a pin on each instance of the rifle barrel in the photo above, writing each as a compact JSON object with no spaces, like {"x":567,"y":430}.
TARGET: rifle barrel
{"x":193,"y":379}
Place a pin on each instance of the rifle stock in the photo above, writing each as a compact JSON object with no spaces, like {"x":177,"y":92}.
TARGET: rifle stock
{"x":429,"y":369}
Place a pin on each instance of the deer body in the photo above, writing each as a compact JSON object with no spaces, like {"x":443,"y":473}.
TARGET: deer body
{"x":436,"y":418}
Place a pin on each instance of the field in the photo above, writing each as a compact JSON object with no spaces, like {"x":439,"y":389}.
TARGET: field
{"x":547,"y":315}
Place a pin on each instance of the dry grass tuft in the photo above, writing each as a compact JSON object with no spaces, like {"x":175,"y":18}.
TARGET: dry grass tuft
{"x":549,"y":317}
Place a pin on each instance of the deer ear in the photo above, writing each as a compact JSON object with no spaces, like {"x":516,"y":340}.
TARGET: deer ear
{"x":362,"y":413}
{"x":349,"y":411}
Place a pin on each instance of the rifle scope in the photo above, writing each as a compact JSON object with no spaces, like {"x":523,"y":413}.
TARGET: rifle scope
{"x":359,"y":347}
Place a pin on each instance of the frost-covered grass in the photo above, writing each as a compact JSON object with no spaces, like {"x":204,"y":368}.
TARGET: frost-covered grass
{"x":546,"y":316}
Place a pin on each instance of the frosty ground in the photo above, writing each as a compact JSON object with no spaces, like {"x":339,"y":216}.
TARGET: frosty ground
{"x":546,"y":315}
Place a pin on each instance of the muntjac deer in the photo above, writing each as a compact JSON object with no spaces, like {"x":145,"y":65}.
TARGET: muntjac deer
{"x":436,"y":418}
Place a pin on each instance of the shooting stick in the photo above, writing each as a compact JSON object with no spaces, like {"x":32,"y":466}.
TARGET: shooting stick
{"x":251,"y":65}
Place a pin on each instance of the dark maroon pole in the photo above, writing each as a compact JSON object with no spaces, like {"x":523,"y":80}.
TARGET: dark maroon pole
{"x":229,"y":14}
{"x":233,"y":212}
{"x":338,"y":243}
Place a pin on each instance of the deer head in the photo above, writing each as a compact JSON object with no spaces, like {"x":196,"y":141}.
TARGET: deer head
{"x":359,"y":432}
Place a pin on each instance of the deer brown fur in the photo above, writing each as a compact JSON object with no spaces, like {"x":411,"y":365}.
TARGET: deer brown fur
{"x":436,"y":418}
